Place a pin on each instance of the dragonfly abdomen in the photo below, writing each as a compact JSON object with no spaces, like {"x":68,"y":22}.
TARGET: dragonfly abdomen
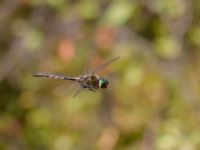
{"x":54,"y":76}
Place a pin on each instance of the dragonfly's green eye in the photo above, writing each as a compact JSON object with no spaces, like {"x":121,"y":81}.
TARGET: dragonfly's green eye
{"x":103,"y":83}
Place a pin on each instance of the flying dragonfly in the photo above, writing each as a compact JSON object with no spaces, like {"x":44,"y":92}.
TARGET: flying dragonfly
{"x":89,"y":81}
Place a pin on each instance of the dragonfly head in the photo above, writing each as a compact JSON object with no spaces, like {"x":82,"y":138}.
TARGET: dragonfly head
{"x":103,"y":83}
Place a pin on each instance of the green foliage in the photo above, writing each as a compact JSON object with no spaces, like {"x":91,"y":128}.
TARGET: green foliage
{"x":152,"y":100}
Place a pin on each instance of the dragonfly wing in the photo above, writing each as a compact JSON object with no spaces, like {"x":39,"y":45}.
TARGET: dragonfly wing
{"x":89,"y":58}
{"x":105,"y":64}
{"x":65,"y":89}
{"x":77,"y":92}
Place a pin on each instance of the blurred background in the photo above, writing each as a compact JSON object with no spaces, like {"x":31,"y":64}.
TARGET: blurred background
{"x":153,"y":99}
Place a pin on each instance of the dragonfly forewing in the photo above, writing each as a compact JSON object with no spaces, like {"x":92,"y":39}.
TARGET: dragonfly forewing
{"x":104,"y":65}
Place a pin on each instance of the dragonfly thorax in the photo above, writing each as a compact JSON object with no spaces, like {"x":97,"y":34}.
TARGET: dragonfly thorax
{"x":90,"y":82}
{"x":93,"y":82}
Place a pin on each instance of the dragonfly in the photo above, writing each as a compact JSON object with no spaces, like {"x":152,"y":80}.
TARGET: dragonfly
{"x":89,"y":81}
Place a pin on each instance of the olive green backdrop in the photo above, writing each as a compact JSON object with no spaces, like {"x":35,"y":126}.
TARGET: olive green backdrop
{"x":153,"y":98}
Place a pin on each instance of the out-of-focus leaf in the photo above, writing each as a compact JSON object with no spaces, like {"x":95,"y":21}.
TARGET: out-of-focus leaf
{"x":119,"y":12}
{"x":194,"y":36}
{"x":169,"y":8}
{"x":167,"y":47}
{"x":88,"y":9}
{"x":31,"y":38}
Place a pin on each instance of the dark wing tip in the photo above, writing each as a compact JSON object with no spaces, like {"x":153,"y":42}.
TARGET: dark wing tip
{"x":36,"y":75}
{"x":117,"y":57}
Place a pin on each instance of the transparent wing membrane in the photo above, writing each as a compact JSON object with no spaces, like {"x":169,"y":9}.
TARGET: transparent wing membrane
{"x":88,"y":61}
{"x":104,"y":65}
{"x":77,"y":92}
